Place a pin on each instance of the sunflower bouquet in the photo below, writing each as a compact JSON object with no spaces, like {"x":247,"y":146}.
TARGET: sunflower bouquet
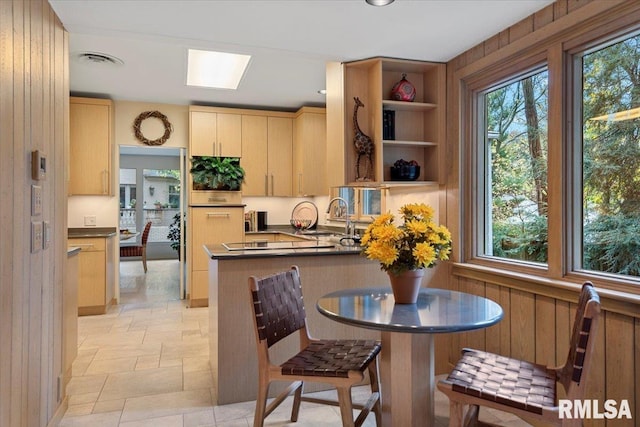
{"x":417,"y":243}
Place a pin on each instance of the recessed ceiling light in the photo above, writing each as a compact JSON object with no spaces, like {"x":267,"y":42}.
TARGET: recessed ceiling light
{"x":379,"y":2}
{"x":215,"y":69}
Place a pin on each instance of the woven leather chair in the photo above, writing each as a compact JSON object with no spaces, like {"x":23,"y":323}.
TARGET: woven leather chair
{"x":138,"y":250}
{"x":279,"y":312}
{"x":525,"y":389}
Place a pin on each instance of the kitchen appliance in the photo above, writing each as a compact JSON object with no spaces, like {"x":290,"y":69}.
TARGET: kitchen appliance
{"x":262,"y":220}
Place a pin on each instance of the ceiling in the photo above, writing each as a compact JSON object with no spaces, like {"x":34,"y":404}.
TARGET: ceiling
{"x":290,"y":42}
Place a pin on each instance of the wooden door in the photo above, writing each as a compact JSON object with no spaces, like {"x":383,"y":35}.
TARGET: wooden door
{"x":91,"y":278}
{"x":89,"y":147}
{"x":310,"y":155}
{"x":280,"y":156}
{"x":202,"y":133}
{"x":214,"y":225}
{"x":254,"y":155}
{"x":229,"y":135}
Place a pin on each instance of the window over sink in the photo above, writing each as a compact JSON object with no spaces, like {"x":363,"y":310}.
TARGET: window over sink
{"x":365,"y":203}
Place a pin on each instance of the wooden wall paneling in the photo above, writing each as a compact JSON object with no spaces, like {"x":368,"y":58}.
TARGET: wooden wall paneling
{"x":596,"y":376}
{"x":521,"y":29}
{"x":504,"y":38}
{"x":560,"y":9}
{"x":543,"y":17}
{"x":30,"y":283}
{"x":492,"y":340}
{"x":619,"y":356}
{"x":475,"y":53}
{"x":37,"y":311}
{"x":523,"y":325}
{"x":21,"y":126}
{"x":564,"y":323}
{"x":576,"y":4}
{"x":7,"y":231}
{"x":455,"y":342}
{"x":473,"y":339}
{"x":545,"y":332}
{"x":492,"y":44}
{"x":505,"y":323}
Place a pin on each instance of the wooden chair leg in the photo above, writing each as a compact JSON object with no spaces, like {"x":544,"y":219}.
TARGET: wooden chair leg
{"x":456,"y":413}
{"x":261,"y":404}
{"x":375,"y":388}
{"x":144,"y":259}
{"x":297,"y":398}
{"x":346,"y":406}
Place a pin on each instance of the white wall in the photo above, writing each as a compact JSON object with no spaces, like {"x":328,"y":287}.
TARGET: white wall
{"x":279,"y":208}
{"x":106,"y":209}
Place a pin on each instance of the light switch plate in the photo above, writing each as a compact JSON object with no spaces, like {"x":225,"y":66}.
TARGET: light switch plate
{"x":36,"y":236}
{"x":36,"y":200}
{"x":46,"y":234}
{"x":90,"y":220}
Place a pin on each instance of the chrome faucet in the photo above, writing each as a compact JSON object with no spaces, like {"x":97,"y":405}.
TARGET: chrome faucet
{"x":347,"y":227}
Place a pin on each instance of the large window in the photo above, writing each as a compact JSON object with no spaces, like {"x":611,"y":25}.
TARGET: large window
{"x":514,"y":170}
{"x":610,"y":170}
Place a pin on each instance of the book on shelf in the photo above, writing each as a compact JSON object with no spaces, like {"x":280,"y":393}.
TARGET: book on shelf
{"x":388,"y":125}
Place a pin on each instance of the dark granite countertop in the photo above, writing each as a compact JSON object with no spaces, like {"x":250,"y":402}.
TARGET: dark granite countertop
{"x":88,"y":232}
{"x":220,"y":252}
{"x":72,"y":250}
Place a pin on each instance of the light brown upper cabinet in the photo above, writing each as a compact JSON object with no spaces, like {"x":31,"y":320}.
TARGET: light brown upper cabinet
{"x":214,"y":133}
{"x":254,"y":155}
{"x":267,"y":143}
{"x":419,"y":126}
{"x":90,"y":146}
{"x":279,"y":157}
{"x":310,"y":152}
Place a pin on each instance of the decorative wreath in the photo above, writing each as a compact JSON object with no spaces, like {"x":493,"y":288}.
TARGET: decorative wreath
{"x":158,"y":115}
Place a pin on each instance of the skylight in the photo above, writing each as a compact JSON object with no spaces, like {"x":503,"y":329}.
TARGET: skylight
{"x":219,"y":70}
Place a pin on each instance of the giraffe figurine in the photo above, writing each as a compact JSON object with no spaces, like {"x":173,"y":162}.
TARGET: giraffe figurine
{"x":363,"y":144}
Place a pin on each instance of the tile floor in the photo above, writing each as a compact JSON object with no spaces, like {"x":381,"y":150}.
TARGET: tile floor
{"x":145,"y":363}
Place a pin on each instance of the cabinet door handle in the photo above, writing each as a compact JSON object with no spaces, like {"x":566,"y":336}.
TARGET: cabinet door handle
{"x":266,"y":184}
{"x":272,"y":186}
{"x":218,"y":214}
{"x":84,"y":245}
{"x":215,"y":146}
{"x":217,"y":199}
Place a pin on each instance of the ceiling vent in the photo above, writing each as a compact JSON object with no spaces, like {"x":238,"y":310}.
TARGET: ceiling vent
{"x":98,"y":58}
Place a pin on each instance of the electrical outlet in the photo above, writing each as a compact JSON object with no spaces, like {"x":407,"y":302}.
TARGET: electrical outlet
{"x":36,"y":236}
{"x":36,"y":200}
{"x":90,"y":220}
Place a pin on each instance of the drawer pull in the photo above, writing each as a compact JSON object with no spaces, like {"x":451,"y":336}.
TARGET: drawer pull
{"x":219,"y":214}
{"x":217,"y":199}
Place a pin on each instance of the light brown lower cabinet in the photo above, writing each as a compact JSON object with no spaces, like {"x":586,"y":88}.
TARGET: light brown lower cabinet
{"x":95,"y":274}
{"x":209,"y":225}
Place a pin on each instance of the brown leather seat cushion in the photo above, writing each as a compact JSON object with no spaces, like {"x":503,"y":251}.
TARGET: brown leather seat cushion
{"x":332,"y":358}
{"x":512,"y":382}
{"x":126,"y":251}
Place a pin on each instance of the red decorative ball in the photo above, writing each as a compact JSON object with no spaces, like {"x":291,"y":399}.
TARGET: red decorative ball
{"x":403,"y":90}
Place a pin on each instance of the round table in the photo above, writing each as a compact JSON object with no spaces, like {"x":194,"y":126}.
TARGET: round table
{"x":407,"y":357}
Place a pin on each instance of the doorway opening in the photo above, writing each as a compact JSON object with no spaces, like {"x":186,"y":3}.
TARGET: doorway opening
{"x":150,"y":192}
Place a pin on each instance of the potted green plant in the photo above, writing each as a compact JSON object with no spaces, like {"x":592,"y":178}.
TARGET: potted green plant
{"x":174,"y":233}
{"x":216,"y":173}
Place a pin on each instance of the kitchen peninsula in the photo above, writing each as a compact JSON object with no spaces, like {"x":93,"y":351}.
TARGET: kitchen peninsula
{"x":323,"y":269}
